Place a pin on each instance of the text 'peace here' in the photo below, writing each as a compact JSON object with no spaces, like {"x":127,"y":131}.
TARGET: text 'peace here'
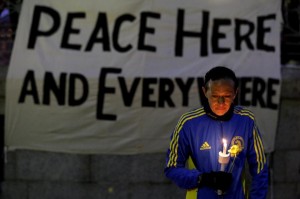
{"x":246,"y":34}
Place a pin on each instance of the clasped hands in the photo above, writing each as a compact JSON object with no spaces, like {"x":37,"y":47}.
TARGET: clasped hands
{"x":219,"y":180}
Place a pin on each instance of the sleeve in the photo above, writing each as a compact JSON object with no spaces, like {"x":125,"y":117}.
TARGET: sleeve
{"x":177,"y":156}
{"x":257,"y":165}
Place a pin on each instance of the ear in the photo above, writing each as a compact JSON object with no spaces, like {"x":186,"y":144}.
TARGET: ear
{"x":204,"y":91}
{"x":236,"y":93}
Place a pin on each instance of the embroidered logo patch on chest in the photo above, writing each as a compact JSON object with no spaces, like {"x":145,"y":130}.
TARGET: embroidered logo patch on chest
{"x":205,"y":146}
{"x":238,"y":140}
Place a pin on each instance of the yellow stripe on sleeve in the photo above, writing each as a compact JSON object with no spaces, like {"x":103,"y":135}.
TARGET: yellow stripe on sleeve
{"x":174,"y":142}
{"x":244,"y":112}
{"x":259,"y":150}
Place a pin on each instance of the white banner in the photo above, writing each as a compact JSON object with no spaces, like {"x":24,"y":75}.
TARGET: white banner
{"x":114,"y":76}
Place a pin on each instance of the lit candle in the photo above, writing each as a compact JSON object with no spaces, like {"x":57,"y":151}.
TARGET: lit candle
{"x":224,"y":146}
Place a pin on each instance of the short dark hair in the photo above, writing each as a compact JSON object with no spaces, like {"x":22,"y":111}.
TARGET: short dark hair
{"x":220,"y":72}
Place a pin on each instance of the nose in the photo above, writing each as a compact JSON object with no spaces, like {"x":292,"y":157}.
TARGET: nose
{"x":221,"y":100}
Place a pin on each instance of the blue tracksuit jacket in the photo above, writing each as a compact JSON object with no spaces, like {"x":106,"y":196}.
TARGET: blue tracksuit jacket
{"x":199,"y":137}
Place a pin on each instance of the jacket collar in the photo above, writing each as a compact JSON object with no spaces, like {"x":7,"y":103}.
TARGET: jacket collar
{"x":227,"y":116}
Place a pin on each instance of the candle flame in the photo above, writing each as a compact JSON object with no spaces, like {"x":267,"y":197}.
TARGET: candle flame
{"x":224,"y":141}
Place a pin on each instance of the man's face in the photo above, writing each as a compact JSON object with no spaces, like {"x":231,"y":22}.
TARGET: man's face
{"x":220,"y":95}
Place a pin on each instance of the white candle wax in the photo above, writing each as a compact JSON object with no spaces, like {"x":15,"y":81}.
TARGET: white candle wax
{"x":224,"y":146}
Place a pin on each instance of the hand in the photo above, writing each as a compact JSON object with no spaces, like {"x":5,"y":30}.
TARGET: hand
{"x":217,"y":180}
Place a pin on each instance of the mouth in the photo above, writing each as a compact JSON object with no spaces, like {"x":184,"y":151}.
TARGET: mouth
{"x":221,"y":108}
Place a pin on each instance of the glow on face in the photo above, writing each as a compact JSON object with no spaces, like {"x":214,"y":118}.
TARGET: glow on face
{"x":220,"y":95}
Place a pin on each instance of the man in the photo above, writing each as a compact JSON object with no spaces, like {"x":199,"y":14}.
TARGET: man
{"x":198,"y":137}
